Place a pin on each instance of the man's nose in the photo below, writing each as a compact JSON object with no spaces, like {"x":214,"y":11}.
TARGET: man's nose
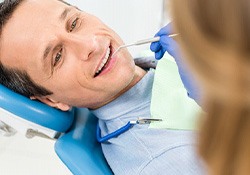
{"x":83,"y":46}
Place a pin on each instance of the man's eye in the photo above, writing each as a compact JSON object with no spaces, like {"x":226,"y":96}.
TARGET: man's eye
{"x":57,"y":58}
{"x":73,"y":25}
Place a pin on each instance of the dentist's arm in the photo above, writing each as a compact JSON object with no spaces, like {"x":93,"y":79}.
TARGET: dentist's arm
{"x":168,"y":44}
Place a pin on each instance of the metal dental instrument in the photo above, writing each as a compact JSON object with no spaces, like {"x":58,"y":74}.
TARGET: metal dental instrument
{"x":123,"y":128}
{"x":140,"y":42}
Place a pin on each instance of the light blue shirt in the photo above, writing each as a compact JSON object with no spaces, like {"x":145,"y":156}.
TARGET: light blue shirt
{"x":143,"y":150}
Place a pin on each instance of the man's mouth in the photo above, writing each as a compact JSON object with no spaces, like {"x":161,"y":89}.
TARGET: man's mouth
{"x":104,"y":62}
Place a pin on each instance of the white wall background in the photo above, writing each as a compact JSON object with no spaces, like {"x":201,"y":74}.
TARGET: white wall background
{"x":132,"y":20}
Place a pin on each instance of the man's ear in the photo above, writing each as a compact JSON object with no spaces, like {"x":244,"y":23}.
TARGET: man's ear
{"x":52,"y":103}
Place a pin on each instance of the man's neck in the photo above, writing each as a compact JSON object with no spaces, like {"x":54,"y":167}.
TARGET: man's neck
{"x":137,"y":98}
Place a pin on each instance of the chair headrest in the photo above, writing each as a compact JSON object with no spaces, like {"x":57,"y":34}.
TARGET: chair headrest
{"x":35,"y":111}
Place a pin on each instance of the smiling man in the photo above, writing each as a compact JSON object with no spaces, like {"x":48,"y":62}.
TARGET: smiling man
{"x":66,"y":51}
{"x":55,"y":53}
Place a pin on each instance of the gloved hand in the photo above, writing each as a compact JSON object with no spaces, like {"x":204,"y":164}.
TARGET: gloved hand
{"x":168,"y":44}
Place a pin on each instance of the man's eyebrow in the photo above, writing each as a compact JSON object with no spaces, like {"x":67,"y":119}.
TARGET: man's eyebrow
{"x":46,"y":61}
{"x":47,"y":51}
{"x":65,"y":13}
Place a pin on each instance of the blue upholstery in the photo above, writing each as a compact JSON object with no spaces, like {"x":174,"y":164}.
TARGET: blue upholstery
{"x":35,"y":111}
{"x":78,"y":147}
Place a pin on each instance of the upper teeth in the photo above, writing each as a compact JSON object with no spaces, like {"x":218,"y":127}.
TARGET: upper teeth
{"x":104,"y":61}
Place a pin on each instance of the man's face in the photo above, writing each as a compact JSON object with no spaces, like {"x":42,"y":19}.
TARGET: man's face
{"x":62,"y":49}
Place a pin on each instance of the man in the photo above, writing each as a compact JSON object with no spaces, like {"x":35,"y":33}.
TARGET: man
{"x":54,"y":53}
{"x":64,"y":50}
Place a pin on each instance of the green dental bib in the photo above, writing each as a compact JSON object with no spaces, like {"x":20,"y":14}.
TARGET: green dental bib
{"x":170,"y":101}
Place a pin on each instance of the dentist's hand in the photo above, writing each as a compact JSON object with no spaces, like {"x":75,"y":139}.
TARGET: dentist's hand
{"x":165,"y":43}
{"x":168,"y":44}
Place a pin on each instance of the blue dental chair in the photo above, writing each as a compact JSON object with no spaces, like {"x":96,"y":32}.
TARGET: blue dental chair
{"x":74,"y":131}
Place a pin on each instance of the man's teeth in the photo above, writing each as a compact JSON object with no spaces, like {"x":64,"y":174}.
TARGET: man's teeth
{"x":103,"y":61}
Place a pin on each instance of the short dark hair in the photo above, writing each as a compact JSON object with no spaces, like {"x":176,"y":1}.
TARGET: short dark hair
{"x":17,"y":80}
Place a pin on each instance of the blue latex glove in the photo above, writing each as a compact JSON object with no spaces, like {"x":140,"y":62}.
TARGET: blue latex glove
{"x":168,"y":44}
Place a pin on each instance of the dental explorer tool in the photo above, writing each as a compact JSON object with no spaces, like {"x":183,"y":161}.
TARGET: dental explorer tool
{"x":140,"y":42}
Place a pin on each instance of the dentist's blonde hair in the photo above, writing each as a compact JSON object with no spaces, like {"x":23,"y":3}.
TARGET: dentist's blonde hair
{"x":215,"y":39}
